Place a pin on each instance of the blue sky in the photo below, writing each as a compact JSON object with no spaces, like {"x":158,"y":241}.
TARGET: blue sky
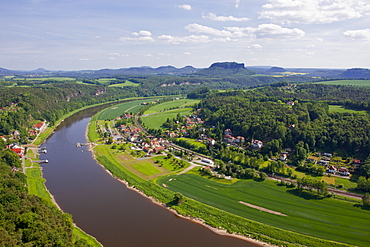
{"x":96,"y":34}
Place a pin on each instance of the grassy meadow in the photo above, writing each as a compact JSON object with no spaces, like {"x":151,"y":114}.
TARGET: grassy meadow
{"x":341,"y":109}
{"x":155,"y":121}
{"x":364,"y":83}
{"x":326,"y":218}
{"x":171,"y":105}
{"x":117,"y":110}
{"x":127,"y":83}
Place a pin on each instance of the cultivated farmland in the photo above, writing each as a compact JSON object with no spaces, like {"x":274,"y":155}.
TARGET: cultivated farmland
{"x":365,"y":83}
{"x":155,"y":121}
{"x":326,"y":218}
{"x":117,"y":110}
{"x":171,"y":105}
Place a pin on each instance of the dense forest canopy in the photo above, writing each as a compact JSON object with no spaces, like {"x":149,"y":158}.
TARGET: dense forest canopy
{"x":264,"y":114}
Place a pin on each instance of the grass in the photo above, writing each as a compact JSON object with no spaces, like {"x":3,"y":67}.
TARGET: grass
{"x":117,"y":110}
{"x":193,"y":142}
{"x":327,"y":218}
{"x":146,"y":168}
{"x":171,"y":105}
{"x":341,"y":109}
{"x":79,"y":234}
{"x":155,"y":121}
{"x":126,"y":84}
{"x":35,"y":183}
{"x":46,"y":79}
{"x":364,"y":83}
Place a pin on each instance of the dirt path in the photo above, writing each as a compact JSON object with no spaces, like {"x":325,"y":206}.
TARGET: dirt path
{"x":262,"y":209}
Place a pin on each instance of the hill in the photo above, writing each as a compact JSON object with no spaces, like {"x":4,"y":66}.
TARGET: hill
{"x":356,"y":73}
{"x":226,"y":69}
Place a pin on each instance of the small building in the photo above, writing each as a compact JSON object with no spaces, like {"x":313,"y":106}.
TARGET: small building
{"x":283,"y":157}
{"x":291,"y":103}
{"x":343,"y":171}
{"x":256,"y":143}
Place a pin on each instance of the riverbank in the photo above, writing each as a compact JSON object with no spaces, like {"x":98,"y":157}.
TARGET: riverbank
{"x":163,"y":205}
{"x":215,"y":219}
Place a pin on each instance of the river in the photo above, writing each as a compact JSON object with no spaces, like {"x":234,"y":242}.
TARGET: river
{"x":104,"y":207}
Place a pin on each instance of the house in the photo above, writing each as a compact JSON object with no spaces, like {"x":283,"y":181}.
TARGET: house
{"x":332,"y":169}
{"x":228,"y":132}
{"x":40,"y":126}
{"x":343,"y":171}
{"x":147,"y":150}
{"x":283,"y":157}
{"x":4,"y":139}
{"x":158,"y":149}
{"x":323,"y":162}
{"x":211,"y":141}
{"x":256,"y":143}
{"x":291,"y":103}
{"x":327,"y":154}
{"x":240,"y":139}
{"x":229,"y":138}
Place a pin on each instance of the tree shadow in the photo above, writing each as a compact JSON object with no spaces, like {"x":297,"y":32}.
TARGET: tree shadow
{"x":307,"y":195}
{"x":357,"y":205}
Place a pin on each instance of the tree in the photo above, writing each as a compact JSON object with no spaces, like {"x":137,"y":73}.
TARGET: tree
{"x":178,"y":198}
{"x":263,"y":176}
{"x":366,"y":200}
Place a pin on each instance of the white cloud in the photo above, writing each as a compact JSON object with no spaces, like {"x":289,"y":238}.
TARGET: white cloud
{"x":313,"y":11}
{"x":139,"y":36}
{"x":192,"y":39}
{"x":214,"y":17}
{"x":363,"y":34}
{"x":267,"y":31}
{"x":276,"y":31}
{"x":84,"y":59}
{"x":196,"y":28}
{"x":255,"y":46}
{"x":142,"y":33}
{"x":187,"y":53}
{"x":185,"y":6}
{"x":237,"y":3}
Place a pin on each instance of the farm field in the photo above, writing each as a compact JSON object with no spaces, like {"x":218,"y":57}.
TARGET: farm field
{"x":341,"y":109}
{"x":155,"y":121}
{"x":45,"y":79}
{"x":116,"y":110}
{"x":170,"y":105}
{"x":327,"y":218}
{"x":126,"y":84}
{"x":365,"y":83}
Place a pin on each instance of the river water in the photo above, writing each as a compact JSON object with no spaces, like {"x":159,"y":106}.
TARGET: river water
{"x":104,"y":207}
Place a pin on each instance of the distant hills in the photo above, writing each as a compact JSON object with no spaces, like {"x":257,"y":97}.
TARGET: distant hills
{"x":216,"y":70}
{"x":225,"y":69}
{"x":356,"y":73}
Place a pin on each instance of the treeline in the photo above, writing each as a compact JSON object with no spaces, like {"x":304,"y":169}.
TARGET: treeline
{"x":27,"y":220}
{"x":279,"y":125}
{"x":23,"y":106}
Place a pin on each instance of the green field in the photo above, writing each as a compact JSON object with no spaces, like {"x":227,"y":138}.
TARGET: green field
{"x":117,"y":110}
{"x":35,"y":183}
{"x":126,"y":84}
{"x":171,"y":105}
{"x":341,"y":109}
{"x":364,"y":83}
{"x":46,"y":79}
{"x":327,"y":218}
{"x":155,"y":121}
{"x":146,"y":168}
{"x":194,"y":142}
